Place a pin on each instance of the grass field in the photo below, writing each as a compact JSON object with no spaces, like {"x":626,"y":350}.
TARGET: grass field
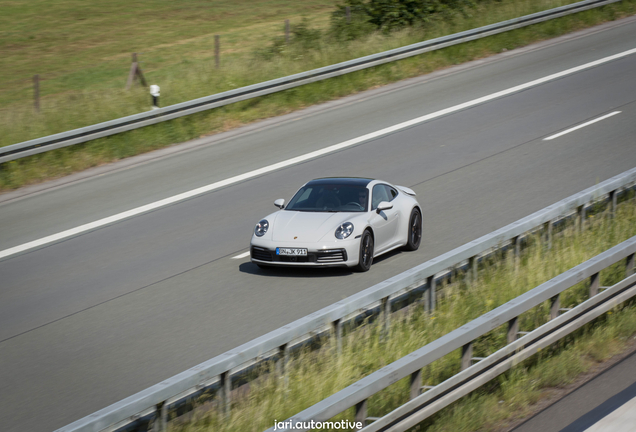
{"x":312,"y":377}
{"x":84,"y":58}
{"x":78,"y":45}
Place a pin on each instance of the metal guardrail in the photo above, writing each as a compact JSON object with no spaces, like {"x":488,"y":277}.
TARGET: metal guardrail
{"x":422,"y":406}
{"x":220,"y":368}
{"x":112,"y":127}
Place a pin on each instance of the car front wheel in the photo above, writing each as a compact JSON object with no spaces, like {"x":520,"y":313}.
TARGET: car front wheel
{"x":414,"y":235}
{"x":366,"y":252}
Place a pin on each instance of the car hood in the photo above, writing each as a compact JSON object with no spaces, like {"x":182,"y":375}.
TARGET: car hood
{"x":291,"y":225}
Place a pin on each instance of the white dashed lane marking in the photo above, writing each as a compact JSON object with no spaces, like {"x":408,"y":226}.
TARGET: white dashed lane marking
{"x":581,"y":126}
{"x":243,"y":255}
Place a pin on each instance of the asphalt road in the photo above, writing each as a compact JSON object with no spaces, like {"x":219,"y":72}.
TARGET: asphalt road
{"x":87,"y":321}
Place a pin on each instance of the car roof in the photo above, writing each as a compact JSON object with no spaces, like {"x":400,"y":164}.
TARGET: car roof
{"x":351,"y":181}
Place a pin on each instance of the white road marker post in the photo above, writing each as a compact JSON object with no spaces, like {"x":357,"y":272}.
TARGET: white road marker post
{"x":154,"y":92}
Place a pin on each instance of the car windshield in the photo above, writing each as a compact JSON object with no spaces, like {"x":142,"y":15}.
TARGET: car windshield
{"x":330,"y":198}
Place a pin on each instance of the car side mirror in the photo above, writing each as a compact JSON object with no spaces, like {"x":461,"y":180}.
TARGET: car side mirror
{"x":280,"y":203}
{"x":384,"y":205}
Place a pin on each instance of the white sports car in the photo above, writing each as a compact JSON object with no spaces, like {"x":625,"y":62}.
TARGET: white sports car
{"x":338,"y":222}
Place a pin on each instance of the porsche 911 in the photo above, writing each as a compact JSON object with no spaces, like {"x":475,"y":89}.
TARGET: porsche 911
{"x":338,"y":222}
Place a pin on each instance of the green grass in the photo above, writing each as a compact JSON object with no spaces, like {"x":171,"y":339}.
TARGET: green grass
{"x":79,"y":45}
{"x":87,"y":75}
{"x":313,"y":376}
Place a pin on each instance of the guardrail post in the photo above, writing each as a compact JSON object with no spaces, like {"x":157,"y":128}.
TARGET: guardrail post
{"x":430,"y":294}
{"x":416,"y":384}
{"x":336,"y":335}
{"x":161,"y":417}
{"x":516,"y":242}
{"x":555,"y":305}
{"x":595,"y":282}
{"x":629,"y":265}
{"x":472,"y":270}
{"x":467,"y":355}
{"x":361,"y":413}
{"x":226,"y":389}
{"x":281,"y":364}
{"x":547,"y":230}
{"x":580,"y":217}
{"x":513,"y":330}
{"x":348,"y":13}
{"x":386,"y":318}
{"x":454,"y":272}
{"x":613,"y":203}
{"x":287,"y":31}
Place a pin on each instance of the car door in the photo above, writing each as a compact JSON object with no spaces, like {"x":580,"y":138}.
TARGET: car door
{"x":385,"y":224}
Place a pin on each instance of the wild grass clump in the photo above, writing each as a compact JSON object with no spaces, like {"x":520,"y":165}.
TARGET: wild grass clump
{"x":314,"y":375}
{"x":89,"y":96}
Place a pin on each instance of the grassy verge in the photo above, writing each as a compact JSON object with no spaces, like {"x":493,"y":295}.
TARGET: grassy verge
{"x":514,"y":395}
{"x":193,"y":78}
{"x":312,"y":377}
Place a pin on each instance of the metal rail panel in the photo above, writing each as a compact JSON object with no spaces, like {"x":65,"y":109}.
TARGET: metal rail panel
{"x":112,"y":127}
{"x":469,"y":379}
{"x":388,"y":375}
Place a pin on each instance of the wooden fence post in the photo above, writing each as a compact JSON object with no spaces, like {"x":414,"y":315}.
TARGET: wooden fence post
{"x":217,"y":50}
{"x":135,"y":73}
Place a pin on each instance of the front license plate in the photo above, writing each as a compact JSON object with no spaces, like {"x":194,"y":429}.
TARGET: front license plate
{"x":291,"y":251}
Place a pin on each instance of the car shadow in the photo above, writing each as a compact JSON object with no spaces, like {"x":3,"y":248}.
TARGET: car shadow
{"x":387,"y":256}
{"x":309,"y":272}
{"x":295,"y":272}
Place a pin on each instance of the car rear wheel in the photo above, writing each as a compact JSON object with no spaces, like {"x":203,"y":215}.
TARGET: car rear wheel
{"x":366,"y":252}
{"x":414,"y":235}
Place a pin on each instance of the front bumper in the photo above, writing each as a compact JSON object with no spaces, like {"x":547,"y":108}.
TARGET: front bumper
{"x":341,"y":254}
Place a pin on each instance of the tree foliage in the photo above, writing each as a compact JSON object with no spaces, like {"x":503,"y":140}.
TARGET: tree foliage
{"x":388,"y":15}
{"x":357,"y":25}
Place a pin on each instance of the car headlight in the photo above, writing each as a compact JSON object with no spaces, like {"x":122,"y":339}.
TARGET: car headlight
{"x":344,"y":230}
{"x":261,"y":228}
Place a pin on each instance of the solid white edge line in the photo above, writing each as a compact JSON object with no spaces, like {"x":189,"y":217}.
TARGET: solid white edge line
{"x":243,"y":255}
{"x":289,"y":162}
{"x":581,"y":126}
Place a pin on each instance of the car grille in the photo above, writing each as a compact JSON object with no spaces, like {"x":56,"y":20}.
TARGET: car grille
{"x":261,"y":254}
{"x":286,"y":258}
